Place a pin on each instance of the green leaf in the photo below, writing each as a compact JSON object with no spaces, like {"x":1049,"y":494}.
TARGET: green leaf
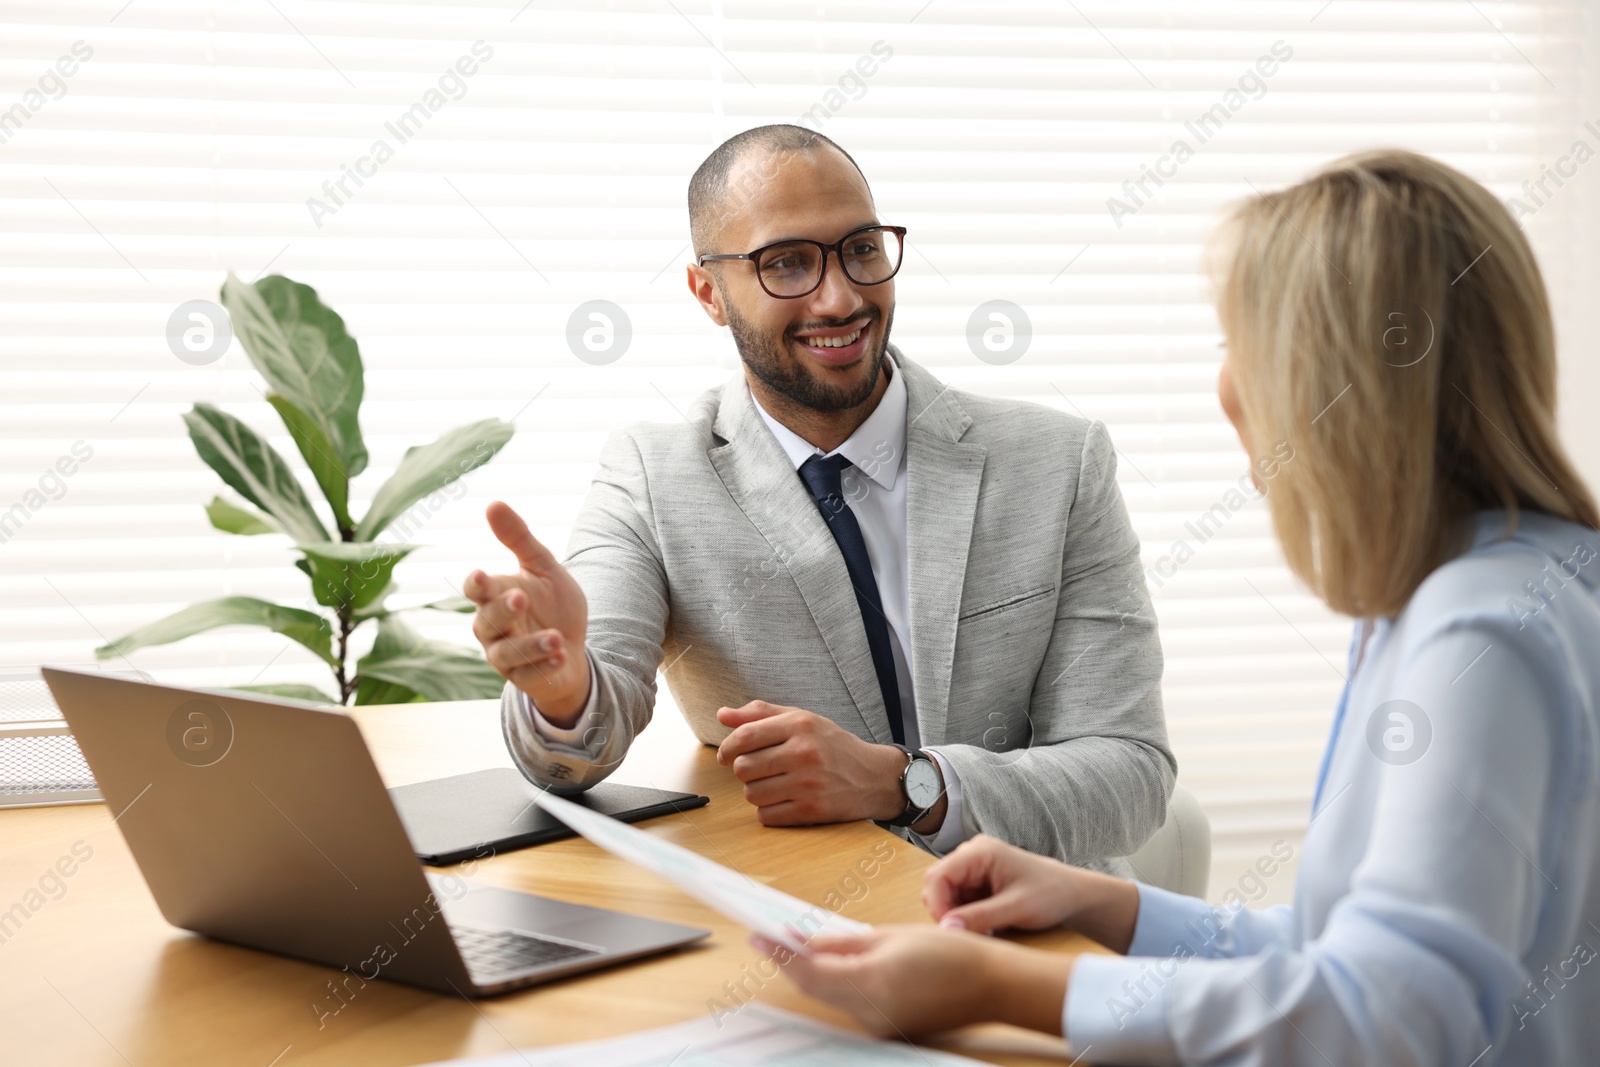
{"x":372,"y":691}
{"x":254,"y":468}
{"x":231,"y":518}
{"x":436,"y":670}
{"x":426,"y":468}
{"x":374,"y":608}
{"x":449,"y":603}
{"x":326,"y":467}
{"x":307,"y":627}
{"x":302,"y":349}
{"x":292,"y":690}
{"x":352,"y":574}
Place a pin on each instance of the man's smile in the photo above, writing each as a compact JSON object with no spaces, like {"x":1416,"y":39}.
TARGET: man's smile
{"x":836,"y":346}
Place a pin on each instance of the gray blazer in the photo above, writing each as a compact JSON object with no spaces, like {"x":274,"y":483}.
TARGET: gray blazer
{"x":1035,"y":661}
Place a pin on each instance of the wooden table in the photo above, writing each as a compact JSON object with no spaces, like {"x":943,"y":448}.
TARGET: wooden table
{"x":92,"y":974}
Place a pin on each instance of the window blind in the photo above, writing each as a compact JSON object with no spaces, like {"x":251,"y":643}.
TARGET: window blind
{"x":461,"y":183}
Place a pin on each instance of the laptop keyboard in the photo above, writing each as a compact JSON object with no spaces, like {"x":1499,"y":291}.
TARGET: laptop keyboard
{"x":505,"y":952}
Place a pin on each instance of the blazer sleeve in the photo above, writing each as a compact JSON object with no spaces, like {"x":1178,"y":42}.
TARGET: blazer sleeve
{"x":1095,"y":777}
{"x":615,"y":556}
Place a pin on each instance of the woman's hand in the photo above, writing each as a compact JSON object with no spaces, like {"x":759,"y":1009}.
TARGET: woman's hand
{"x":987,"y":885}
{"x":903,"y":981}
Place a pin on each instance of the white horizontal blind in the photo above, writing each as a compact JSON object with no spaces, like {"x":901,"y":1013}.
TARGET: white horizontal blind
{"x":190,"y":139}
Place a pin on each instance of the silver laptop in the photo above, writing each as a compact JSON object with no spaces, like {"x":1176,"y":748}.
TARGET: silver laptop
{"x":262,"y":821}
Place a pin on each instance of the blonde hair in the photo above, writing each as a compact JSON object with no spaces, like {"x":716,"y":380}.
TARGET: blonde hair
{"x":1386,"y":319}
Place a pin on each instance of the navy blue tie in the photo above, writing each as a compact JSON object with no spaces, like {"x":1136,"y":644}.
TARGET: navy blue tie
{"x":824,"y":475}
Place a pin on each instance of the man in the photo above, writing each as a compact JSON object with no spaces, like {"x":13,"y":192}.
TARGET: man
{"x":842,"y":560}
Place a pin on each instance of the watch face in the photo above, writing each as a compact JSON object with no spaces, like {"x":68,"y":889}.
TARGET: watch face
{"x":922,"y":784}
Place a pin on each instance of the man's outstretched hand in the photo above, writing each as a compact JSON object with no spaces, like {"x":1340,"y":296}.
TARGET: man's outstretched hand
{"x":532,"y":623}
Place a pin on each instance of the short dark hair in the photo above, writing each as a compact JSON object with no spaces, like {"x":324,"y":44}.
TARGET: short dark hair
{"x":708,"y":189}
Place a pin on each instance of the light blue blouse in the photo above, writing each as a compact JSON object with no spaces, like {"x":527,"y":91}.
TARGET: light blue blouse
{"x":1447,"y":905}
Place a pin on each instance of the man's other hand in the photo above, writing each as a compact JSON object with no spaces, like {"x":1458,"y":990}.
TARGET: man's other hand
{"x":799,"y":768}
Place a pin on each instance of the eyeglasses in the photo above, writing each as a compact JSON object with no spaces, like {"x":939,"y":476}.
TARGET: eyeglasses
{"x":788,"y":269}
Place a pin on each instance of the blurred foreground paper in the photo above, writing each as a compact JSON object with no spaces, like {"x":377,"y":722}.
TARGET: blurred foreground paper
{"x":757,"y":1036}
{"x":787,"y":920}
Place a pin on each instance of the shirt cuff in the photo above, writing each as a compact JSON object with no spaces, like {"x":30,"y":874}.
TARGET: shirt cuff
{"x":955,"y":828}
{"x":1171,"y":924}
{"x":1116,"y":1006}
{"x":1116,"y":1009}
{"x":583,"y":734}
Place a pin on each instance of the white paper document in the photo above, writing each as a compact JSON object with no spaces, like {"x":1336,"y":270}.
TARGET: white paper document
{"x":777,"y":916}
{"x":756,"y":1037}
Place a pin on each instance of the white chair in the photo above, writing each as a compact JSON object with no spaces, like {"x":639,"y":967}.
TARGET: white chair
{"x":1178,"y":857}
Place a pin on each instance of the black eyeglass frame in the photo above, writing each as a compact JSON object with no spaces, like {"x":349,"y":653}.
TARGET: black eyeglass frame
{"x":837,"y":248}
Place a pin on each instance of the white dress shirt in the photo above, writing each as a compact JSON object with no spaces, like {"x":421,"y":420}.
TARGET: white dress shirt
{"x":875,"y":490}
{"x":1447,"y":904}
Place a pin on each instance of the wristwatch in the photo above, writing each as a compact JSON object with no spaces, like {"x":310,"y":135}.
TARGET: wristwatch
{"x":920,"y":784}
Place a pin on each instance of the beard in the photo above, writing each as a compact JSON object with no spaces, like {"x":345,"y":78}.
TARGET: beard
{"x":770,"y":359}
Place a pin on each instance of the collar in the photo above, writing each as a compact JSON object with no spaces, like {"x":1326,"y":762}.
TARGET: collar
{"x":876,"y":446}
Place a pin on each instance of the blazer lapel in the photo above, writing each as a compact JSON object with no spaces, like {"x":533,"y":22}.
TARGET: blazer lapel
{"x":943,"y":475}
{"x":764,"y":485}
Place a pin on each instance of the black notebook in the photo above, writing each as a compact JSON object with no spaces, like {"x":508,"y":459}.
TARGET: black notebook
{"x":477,"y":815}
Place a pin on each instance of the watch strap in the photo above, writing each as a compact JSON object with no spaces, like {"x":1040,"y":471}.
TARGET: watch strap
{"x":912,"y":813}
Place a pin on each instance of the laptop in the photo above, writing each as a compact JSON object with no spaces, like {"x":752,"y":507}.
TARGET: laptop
{"x":262,"y":821}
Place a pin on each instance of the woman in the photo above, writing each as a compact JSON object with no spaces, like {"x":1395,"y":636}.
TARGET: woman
{"x":1387,"y":320}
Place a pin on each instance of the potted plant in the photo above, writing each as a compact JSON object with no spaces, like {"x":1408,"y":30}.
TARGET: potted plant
{"x":314,"y":377}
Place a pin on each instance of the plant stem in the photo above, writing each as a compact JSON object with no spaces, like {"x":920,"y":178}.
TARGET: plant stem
{"x":346,"y":686}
